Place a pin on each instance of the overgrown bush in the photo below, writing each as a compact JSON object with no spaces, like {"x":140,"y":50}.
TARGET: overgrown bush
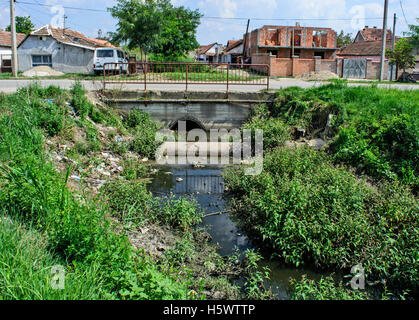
{"x":324,"y":289}
{"x":275,"y":132}
{"x":144,"y":130}
{"x":180,"y":213}
{"x":376,"y":129}
{"x":308,"y":211}
{"x":129,"y":200}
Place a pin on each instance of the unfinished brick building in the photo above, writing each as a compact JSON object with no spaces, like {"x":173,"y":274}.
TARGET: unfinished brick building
{"x":293,"y":50}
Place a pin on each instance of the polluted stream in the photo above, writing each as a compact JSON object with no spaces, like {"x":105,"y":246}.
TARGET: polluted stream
{"x":206,"y":185}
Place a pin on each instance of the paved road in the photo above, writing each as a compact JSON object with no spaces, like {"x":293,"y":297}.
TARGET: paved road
{"x":9,"y":86}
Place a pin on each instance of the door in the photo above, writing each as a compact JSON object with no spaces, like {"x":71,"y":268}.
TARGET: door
{"x":354,"y":68}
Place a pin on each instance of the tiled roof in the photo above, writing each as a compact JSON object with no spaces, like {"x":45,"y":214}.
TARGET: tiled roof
{"x":70,"y":37}
{"x":231,"y":44}
{"x":374,"y":34}
{"x":204,"y":49}
{"x":364,"y":48}
{"x":6,"y":38}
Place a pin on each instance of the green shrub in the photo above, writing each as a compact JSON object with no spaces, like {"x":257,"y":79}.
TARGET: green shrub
{"x":129,"y":200}
{"x":180,"y":213}
{"x":308,"y":211}
{"x":144,"y":130}
{"x":275,"y":132}
{"x":134,"y":170}
{"x":376,"y":129}
{"x":324,"y":289}
{"x":79,"y":101}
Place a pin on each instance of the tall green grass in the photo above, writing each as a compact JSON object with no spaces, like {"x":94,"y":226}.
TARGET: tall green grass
{"x":77,"y":230}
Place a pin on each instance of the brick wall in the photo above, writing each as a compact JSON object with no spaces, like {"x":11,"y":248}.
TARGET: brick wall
{"x":373,"y":69}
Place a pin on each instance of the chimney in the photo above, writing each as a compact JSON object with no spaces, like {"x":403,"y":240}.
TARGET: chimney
{"x":297,"y":24}
{"x":375,"y":27}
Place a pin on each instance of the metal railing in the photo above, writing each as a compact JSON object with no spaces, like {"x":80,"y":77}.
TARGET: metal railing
{"x":146,"y":73}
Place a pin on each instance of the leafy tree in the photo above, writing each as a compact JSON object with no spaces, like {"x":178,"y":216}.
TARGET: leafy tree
{"x":402,"y":55}
{"x":23,"y":25}
{"x":414,"y":34}
{"x":156,"y":26}
{"x":343,"y":39}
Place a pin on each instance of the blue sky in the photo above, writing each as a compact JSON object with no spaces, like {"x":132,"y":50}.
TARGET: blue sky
{"x":338,"y":14}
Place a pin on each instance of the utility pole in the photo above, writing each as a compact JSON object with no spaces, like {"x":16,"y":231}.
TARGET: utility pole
{"x":14,"y":45}
{"x":392,"y":44}
{"x":64,"y":19}
{"x":245,"y":39}
{"x":383,"y":47}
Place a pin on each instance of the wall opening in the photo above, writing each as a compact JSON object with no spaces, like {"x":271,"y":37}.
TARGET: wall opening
{"x":191,"y":123}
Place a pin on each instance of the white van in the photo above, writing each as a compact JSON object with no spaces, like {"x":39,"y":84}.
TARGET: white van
{"x":109,"y":55}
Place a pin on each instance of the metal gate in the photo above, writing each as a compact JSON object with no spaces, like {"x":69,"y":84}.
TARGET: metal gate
{"x":354,"y":68}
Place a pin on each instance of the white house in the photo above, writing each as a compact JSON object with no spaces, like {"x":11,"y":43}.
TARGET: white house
{"x":6,"y":49}
{"x":64,"y":50}
{"x":233,"y":50}
{"x":210,"y":53}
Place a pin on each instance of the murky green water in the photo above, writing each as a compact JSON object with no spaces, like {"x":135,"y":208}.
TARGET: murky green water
{"x":206,"y":185}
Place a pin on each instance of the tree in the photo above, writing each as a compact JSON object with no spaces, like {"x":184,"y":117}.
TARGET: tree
{"x":23,"y":25}
{"x":156,"y":26}
{"x":402,"y":55}
{"x":343,"y":39}
{"x":414,"y":34}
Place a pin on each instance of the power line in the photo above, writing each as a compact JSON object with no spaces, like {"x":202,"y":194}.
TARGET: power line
{"x":209,"y":17}
{"x":401,"y":6}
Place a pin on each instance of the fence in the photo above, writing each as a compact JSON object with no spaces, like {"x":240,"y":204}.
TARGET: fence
{"x":146,"y":73}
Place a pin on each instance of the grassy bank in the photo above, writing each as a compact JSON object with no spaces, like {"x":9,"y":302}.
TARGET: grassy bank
{"x":353,"y":202}
{"x":54,"y":150}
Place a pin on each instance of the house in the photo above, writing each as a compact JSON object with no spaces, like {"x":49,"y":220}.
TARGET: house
{"x":292,"y":50}
{"x":64,"y":50}
{"x":372,"y":34}
{"x":210,"y":53}
{"x":233,"y":50}
{"x":6,"y":49}
{"x":367,"y":46}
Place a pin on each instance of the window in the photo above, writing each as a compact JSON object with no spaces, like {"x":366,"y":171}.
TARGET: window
{"x":319,"y":54}
{"x":39,"y":60}
{"x":104,"y":53}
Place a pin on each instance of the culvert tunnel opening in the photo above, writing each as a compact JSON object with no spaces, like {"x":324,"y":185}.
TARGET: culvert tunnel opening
{"x":190,"y":125}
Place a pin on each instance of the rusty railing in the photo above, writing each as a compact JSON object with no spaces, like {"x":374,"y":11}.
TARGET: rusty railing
{"x":188,"y":74}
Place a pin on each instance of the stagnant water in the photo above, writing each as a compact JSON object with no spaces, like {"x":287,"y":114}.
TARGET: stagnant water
{"x":206,"y":185}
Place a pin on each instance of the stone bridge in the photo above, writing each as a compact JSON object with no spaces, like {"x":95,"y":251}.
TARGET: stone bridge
{"x":205,"y":110}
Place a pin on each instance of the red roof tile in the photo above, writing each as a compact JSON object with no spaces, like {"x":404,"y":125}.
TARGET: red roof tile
{"x":70,"y":37}
{"x":374,"y":34}
{"x":364,"y":48}
{"x":6,"y":38}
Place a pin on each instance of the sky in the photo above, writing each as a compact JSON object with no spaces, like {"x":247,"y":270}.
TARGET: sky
{"x":347,"y":15}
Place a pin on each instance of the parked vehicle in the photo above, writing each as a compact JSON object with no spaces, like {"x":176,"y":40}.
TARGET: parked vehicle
{"x":110,"y":55}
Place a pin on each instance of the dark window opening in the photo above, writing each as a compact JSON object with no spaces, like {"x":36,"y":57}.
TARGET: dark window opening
{"x":41,"y":60}
{"x":319,"y":54}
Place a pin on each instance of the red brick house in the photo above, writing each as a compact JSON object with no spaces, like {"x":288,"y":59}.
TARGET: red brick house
{"x":292,"y":50}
